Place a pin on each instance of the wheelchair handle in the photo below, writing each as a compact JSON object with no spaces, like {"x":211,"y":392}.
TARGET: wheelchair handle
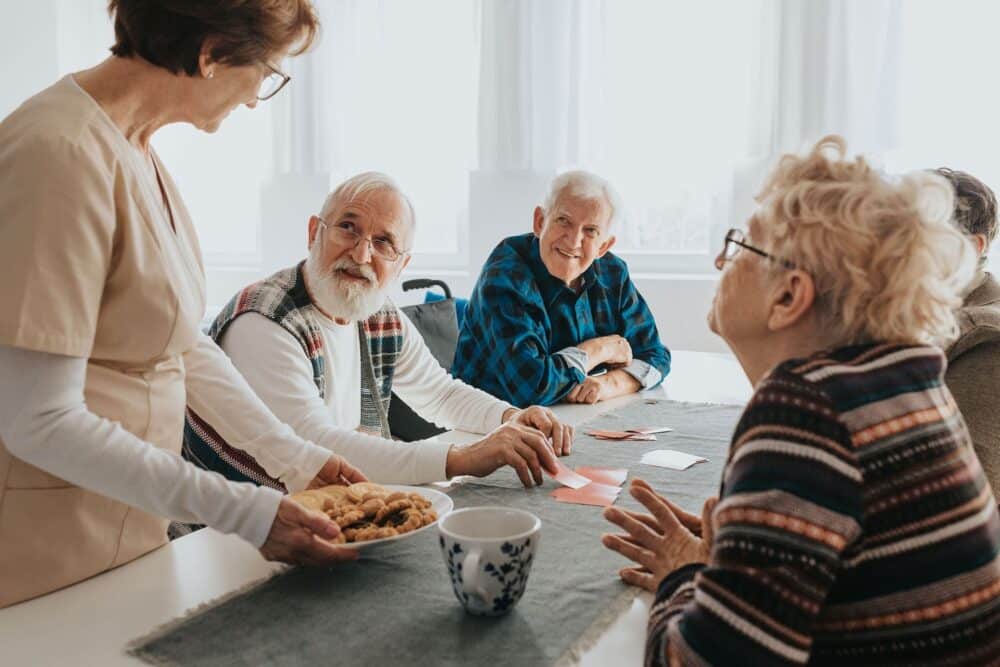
{"x":426,"y":283}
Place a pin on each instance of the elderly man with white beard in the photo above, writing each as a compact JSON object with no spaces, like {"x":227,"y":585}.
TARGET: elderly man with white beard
{"x":323,"y":348}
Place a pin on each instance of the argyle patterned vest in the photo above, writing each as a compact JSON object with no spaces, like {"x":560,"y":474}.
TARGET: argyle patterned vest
{"x":283,"y":299}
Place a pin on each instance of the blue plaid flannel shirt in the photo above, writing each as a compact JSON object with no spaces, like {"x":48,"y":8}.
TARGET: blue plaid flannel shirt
{"x":521,"y":326}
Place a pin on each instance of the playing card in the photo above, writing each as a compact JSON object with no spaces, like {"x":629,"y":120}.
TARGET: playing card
{"x":567,"y":477}
{"x":649,"y":430}
{"x":601,"y":495}
{"x":668,"y":458}
{"x":610,"y":476}
{"x":620,"y":435}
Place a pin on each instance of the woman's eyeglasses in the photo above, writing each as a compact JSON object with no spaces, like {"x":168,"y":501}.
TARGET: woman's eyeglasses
{"x":735,"y":241}
{"x":272,"y":83}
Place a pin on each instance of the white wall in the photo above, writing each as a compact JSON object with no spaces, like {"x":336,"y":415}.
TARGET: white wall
{"x":29,"y":50}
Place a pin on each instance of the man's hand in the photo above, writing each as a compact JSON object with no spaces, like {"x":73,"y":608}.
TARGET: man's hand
{"x":589,"y":391}
{"x":522,"y":447}
{"x":545,"y":421}
{"x":299,"y":536}
{"x":661,"y":542}
{"x":613,"y":350}
{"x":337,"y":471}
{"x":598,"y":388}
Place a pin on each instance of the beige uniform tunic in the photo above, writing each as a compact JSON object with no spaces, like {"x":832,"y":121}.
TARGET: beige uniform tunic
{"x":91,"y":268}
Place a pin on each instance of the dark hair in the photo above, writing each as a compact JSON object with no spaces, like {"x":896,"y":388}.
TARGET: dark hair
{"x":170,"y":33}
{"x":975,"y":204}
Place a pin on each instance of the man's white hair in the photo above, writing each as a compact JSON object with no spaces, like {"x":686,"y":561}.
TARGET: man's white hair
{"x":586,"y":185}
{"x":368,"y":181}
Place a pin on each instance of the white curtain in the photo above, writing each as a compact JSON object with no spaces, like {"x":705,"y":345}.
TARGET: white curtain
{"x":828,"y":66}
{"x":541,"y":96}
{"x":391,"y":86}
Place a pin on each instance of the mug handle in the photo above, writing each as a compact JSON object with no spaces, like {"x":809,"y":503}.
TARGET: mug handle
{"x":470,"y":574}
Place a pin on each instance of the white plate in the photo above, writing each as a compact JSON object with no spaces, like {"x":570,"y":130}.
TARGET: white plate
{"x":440,"y":503}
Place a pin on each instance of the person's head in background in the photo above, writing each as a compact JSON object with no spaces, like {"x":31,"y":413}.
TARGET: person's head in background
{"x":838,"y":254}
{"x":358,"y":245}
{"x":574,"y":226}
{"x":975,"y":208}
{"x":221,"y":53}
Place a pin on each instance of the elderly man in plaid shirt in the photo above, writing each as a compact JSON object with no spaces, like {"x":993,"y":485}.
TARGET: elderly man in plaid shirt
{"x":554,"y":315}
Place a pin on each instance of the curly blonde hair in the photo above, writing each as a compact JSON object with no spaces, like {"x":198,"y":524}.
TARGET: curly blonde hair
{"x":886,"y":260}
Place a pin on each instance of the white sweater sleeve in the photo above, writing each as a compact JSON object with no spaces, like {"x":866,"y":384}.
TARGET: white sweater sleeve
{"x":224,"y":399}
{"x":276,"y":367}
{"x":435,"y":395}
{"x":45,"y":422}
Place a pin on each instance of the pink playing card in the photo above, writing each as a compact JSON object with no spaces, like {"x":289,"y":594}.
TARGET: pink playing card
{"x":602,"y":495}
{"x":610,"y":476}
{"x":567,"y":477}
{"x":598,"y":433}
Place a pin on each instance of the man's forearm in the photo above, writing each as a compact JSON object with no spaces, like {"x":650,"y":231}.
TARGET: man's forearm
{"x":596,"y":352}
{"x":618,"y":383}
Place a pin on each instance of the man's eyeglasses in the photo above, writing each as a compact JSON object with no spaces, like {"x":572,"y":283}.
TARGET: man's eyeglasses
{"x":272,"y":83}
{"x":345,"y":234}
{"x":735,"y":242}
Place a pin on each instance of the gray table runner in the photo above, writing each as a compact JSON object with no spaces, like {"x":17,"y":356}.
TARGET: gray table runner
{"x":395,"y":604}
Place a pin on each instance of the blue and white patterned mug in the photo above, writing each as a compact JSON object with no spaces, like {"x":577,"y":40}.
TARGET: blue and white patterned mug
{"x":489,"y":551}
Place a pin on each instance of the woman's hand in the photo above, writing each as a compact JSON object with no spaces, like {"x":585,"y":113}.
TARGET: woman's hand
{"x":337,"y":471}
{"x":659,"y":543}
{"x":300,"y":536}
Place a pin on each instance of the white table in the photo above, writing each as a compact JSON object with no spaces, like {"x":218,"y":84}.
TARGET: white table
{"x":90,"y":623}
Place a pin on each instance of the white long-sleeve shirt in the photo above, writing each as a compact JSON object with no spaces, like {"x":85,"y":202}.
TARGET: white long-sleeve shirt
{"x":45,"y":422}
{"x":272,"y":361}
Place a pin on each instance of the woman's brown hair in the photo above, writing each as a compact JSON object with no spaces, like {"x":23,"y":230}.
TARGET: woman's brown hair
{"x":170,"y":33}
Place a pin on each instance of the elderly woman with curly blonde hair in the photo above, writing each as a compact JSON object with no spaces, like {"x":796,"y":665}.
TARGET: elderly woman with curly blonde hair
{"x":854,"y":522}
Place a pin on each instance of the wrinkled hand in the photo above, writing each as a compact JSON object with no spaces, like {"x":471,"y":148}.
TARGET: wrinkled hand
{"x":617,"y":350}
{"x":337,"y":471}
{"x":589,"y":391}
{"x":522,"y":447}
{"x":692,"y":522}
{"x":545,"y":421}
{"x":659,"y":543}
{"x":299,"y":536}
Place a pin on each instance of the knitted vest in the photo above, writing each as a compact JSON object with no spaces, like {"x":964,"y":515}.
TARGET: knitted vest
{"x":283,"y":299}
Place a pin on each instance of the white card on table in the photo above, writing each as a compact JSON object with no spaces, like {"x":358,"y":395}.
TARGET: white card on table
{"x":669,"y":458}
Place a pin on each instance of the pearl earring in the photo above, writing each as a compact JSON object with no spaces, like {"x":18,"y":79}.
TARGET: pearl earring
{"x":211,"y":73}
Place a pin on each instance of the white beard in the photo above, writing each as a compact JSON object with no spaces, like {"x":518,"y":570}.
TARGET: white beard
{"x":339,"y":298}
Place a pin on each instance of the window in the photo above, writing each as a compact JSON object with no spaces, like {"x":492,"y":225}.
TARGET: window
{"x":946,"y":116}
{"x":398,"y":94}
{"x":678,"y":95}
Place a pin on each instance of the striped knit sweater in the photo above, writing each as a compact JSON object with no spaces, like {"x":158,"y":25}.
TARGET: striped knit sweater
{"x":855,"y":526}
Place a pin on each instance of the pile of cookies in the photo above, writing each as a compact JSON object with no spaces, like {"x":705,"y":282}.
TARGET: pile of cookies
{"x":369,"y":511}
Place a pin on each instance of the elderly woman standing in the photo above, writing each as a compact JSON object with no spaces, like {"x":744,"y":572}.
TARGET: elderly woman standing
{"x":854,"y":525}
{"x":102,"y":295}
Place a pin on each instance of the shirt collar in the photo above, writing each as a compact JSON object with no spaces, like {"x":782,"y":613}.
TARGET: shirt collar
{"x":551,"y":287}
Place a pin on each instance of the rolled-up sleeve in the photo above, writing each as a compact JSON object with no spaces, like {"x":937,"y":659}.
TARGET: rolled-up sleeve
{"x":641,"y":332}
{"x":644,"y":373}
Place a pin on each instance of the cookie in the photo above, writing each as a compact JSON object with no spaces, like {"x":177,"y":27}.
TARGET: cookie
{"x":312,"y":502}
{"x":357,"y":492}
{"x":391,"y":508}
